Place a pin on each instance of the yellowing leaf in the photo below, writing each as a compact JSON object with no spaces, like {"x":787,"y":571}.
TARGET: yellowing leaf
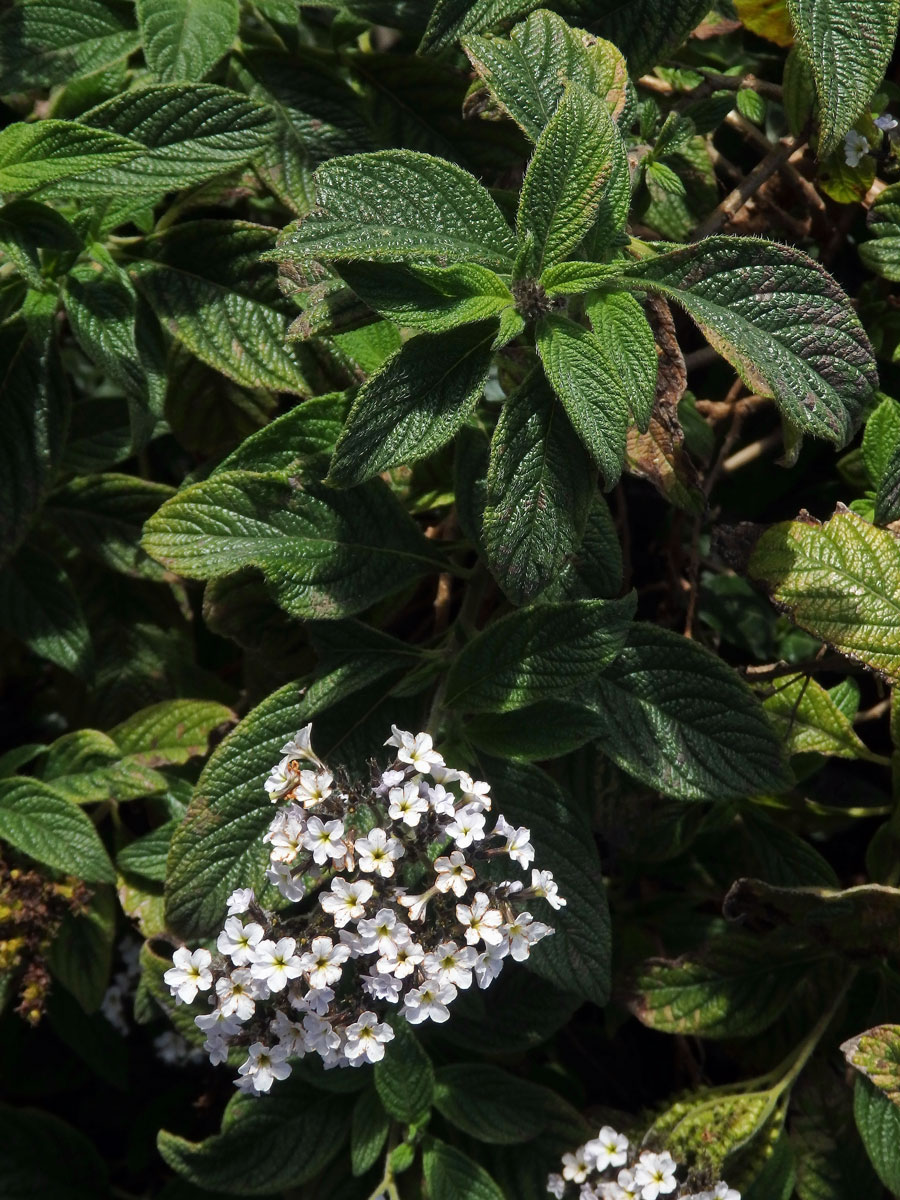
{"x":769,"y":18}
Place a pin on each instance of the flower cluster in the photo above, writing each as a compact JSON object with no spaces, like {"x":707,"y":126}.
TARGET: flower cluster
{"x":403,"y":912}
{"x":605,"y":1168}
{"x":857,"y":145}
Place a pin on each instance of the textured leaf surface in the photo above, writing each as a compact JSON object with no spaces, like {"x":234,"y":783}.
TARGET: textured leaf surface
{"x":39,"y":606}
{"x":489,"y":1104}
{"x":184,"y":39}
{"x":451,"y":1175}
{"x":415,"y":404}
{"x":526,"y":656}
{"x":848,"y":44}
{"x":780,"y":320}
{"x":540,"y":487}
{"x":808,"y":719}
{"x":618,"y":321}
{"x":81,"y":954}
{"x":577,"y":957}
{"x":527,"y":72}
{"x":430,"y":298}
{"x":56,"y":152}
{"x":170,"y":732}
{"x":267,"y":1143}
{"x":737,"y":986}
{"x":876,"y":1054}
{"x":682,"y":721}
{"x":48,"y":42}
{"x":566,"y":179}
{"x":37,"y":820}
{"x":839,"y":582}
{"x":404,"y":1079}
{"x":369,"y":1131}
{"x":323,"y":553}
{"x":882,"y":253}
{"x":298,"y":443}
{"x":878,"y":1122}
{"x":592,"y":393}
{"x":398,"y":206}
{"x":208,"y":286}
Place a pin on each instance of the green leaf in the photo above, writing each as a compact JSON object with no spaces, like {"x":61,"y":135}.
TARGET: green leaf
{"x":104,"y":516}
{"x":887,"y":497}
{"x":188,"y":132}
{"x":207,"y":284}
{"x":369,"y":1131}
{"x":550,"y":650}
{"x":540,"y":487}
{"x":839,"y":582}
{"x":596,"y":567}
{"x":430,"y":298}
{"x":489,"y":1104}
{"x":404,"y":1079}
{"x":118,"y":333}
{"x":577,"y":957}
{"x":26,"y":227}
{"x":58,"y":152}
{"x":881,"y":437}
{"x":592,"y":393}
{"x":450,"y":1175}
{"x":171,"y":732}
{"x":528,"y":73}
{"x":426,"y":209}
{"x":43,"y":824}
{"x":355,"y":547}
{"x":45,"y":42}
{"x":39,"y":606}
{"x":184,"y":39}
{"x":548,"y":729}
{"x":619,"y":322}
{"x":567,"y":177}
{"x":876,"y":1055}
{"x":87,"y":766}
{"x":33,"y":412}
{"x":882,"y":254}
{"x":146,"y":856}
{"x":878,"y":1122}
{"x":735,"y":986}
{"x":298,"y":443}
{"x":43,"y":1156}
{"x":81,"y":954}
{"x":808,"y":720}
{"x":779,"y":319}
{"x":267,"y":1144}
{"x":682,"y":721}
{"x":848,"y":44}
{"x":416,"y":403}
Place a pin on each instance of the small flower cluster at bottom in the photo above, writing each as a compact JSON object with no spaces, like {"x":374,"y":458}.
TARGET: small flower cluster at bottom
{"x":648,"y":1176}
{"x":320,"y":981}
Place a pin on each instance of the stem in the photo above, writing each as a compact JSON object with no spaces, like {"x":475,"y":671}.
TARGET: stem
{"x":735,"y":201}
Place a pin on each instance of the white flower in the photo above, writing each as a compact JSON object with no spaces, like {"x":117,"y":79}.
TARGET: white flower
{"x":655,"y":1174}
{"x":281,"y":779}
{"x":383,"y":986}
{"x":216,"y":1046}
{"x":523,"y":933}
{"x":441,"y":773}
{"x":237,"y":994}
{"x":417,"y":750}
{"x":366,"y":1038}
{"x":428,"y":1002}
{"x":442,"y":801}
{"x":299,"y":746}
{"x":403,"y":961}
{"x":856,"y":145}
{"x":265,"y":1065}
{"x":453,"y":873}
{"x":377,"y":852}
{"x":576,"y":1167}
{"x":291,"y":887}
{"x":347,"y":900}
{"x":481,"y":922}
{"x":238,"y":940}
{"x":189,"y":974}
{"x":475,"y":791}
{"x":449,"y":964}
{"x":607,"y":1149}
{"x":286,"y":834}
{"x":323,"y":838}
{"x":322,"y":963}
{"x":518,"y":844}
{"x":217,"y":1023}
{"x":275,"y":963}
{"x":625,"y":1187}
{"x":489,"y":964}
{"x":383,"y":932}
{"x":290,"y":1034}
{"x":406,"y":804}
{"x":544,"y":886}
{"x":886,"y":123}
{"x":313,"y":787}
{"x":417,"y":904}
{"x":588,"y":1193}
{"x":389,"y":779}
{"x":320,"y":1037}
{"x":556,"y":1186}
{"x":239,"y":901}
{"x":467,"y":826}
{"x":318,"y":1000}
{"x":722,"y":1191}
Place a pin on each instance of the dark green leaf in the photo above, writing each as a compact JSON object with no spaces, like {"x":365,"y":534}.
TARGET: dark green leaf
{"x":57,"y":153}
{"x":43,"y":1156}
{"x":489,"y":1104}
{"x":298,"y":443}
{"x":171,"y":732}
{"x":39,"y":606}
{"x":184,"y":39}
{"x":43,"y":824}
{"x":450,"y":1175}
{"x":369,"y":1131}
{"x":878,"y":1122}
{"x":146,"y":856}
{"x":81,"y":954}
{"x":51,"y":41}
{"x":404,"y":1079}
{"x":429,"y":298}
